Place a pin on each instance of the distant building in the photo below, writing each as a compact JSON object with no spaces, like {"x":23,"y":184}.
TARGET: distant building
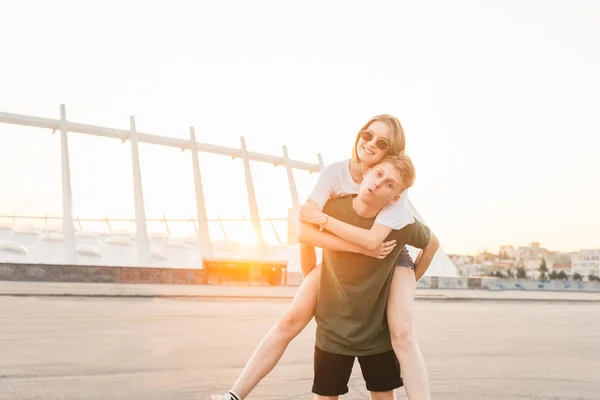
{"x":532,"y":267}
{"x":471,"y":269}
{"x":507,"y":251}
{"x":533,"y":252}
{"x":467,"y":265}
{"x":504,"y":265}
{"x":558,"y":261}
{"x":485,"y":256}
{"x":461,"y":259}
{"x":586,"y":262}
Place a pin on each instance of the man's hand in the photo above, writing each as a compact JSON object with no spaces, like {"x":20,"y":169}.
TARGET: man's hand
{"x":382,"y":250}
{"x":309,"y":213}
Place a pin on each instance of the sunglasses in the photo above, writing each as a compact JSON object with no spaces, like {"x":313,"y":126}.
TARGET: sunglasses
{"x":381,"y":143}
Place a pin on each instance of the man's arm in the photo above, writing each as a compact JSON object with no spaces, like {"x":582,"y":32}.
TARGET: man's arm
{"x":425,"y":256}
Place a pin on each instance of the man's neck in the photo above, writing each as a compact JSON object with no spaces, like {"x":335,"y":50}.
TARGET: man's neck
{"x":364,"y":210}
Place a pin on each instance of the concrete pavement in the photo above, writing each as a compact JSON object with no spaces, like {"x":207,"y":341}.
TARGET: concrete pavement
{"x":261,"y":292}
{"x":82,"y":348}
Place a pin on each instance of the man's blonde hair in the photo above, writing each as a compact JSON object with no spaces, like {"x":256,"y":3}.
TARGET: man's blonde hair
{"x":405,"y":167}
{"x":397,"y":139}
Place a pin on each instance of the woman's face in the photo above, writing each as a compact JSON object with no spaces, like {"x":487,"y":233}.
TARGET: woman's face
{"x":373,"y":144}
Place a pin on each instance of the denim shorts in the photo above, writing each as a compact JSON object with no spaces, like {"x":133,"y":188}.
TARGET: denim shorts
{"x":405,"y":260}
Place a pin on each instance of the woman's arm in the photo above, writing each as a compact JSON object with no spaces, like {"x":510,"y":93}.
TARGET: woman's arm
{"x":308,"y":259}
{"x":367,"y":238}
{"x":310,"y":235}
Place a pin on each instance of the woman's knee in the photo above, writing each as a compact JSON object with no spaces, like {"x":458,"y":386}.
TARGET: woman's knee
{"x":290,"y":324}
{"x":402,"y":334}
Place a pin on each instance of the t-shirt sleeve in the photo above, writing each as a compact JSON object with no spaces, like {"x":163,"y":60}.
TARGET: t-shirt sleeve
{"x":396,"y":215}
{"x":325,"y":186}
{"x":419,"y":235}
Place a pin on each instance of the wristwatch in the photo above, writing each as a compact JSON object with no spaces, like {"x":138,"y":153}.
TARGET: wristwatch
{"x":322,"y":221}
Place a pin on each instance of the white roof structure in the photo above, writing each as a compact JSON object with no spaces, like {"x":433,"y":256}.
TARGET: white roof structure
{"x":140,"y":247}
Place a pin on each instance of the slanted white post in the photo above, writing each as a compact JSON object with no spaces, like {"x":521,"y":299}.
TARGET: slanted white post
{"x":67,"y":194}
{"x":142,"y":244}
{"x":203,"y":231}
{"x":254,"y":216}
{"x":220,"y":221}
{"x":291,"y":180}
{"x":321,"y":164}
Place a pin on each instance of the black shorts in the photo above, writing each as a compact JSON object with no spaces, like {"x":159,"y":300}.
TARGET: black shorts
{"x":404,"y":259}
{"x":332,"y":372}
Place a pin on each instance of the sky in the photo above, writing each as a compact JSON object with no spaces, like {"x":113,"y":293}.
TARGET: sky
{"x":498,"y":100}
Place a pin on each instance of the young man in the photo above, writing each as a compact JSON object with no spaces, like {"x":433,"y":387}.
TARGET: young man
{"x":353,"y":293}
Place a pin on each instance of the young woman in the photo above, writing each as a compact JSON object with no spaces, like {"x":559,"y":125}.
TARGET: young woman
{"x":380,"y":136}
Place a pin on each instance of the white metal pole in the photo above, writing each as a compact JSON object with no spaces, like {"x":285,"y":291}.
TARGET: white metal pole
{"x":254,"y":216}
{"x":203,"y":231}
{"x":67,"y":195}
{"x":291,"y":181}
{"x":142,"y":245}
{"x":223,"y":228}
{"x":321,"y":164}
{"x":292,"y":218}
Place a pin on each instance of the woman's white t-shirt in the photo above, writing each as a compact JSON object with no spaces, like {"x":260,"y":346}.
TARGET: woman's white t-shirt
{"x":336,"y":180}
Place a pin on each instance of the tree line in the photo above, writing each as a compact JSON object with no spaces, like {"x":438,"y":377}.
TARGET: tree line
{"x":520,"y":273}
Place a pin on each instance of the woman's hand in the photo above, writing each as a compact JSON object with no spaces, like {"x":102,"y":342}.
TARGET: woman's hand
{"x":309,"y":213}
{"x":382,"y":250}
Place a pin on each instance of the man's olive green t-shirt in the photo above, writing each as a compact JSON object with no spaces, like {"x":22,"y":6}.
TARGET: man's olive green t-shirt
{"x":353,"y":290}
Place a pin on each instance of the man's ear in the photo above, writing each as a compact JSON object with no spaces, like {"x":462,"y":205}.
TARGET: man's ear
{"x":394,"y":199}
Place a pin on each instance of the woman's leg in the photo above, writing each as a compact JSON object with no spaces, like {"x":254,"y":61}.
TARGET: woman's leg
{"x":273,"y":345}
{"x":399,"y":313}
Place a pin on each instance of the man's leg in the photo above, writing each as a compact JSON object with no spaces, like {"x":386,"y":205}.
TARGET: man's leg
{"x":400,"y":319}
{"x":390,"y":395}
{"x":273,"y":345}
{"x":332,"y":373}
{"x":382,"y":375}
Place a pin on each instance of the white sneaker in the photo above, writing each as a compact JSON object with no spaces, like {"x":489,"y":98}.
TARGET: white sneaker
{"x":226,"y":396}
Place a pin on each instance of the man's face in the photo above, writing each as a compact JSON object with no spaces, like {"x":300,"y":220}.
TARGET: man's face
{"x":381,"y":185}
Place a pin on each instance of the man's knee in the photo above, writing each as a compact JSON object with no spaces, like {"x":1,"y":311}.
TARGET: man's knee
{"x":382,"y":395}
{"x":402,"y":335}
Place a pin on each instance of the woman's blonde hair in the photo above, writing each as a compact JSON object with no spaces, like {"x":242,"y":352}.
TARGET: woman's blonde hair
{"x":397,"y":139}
